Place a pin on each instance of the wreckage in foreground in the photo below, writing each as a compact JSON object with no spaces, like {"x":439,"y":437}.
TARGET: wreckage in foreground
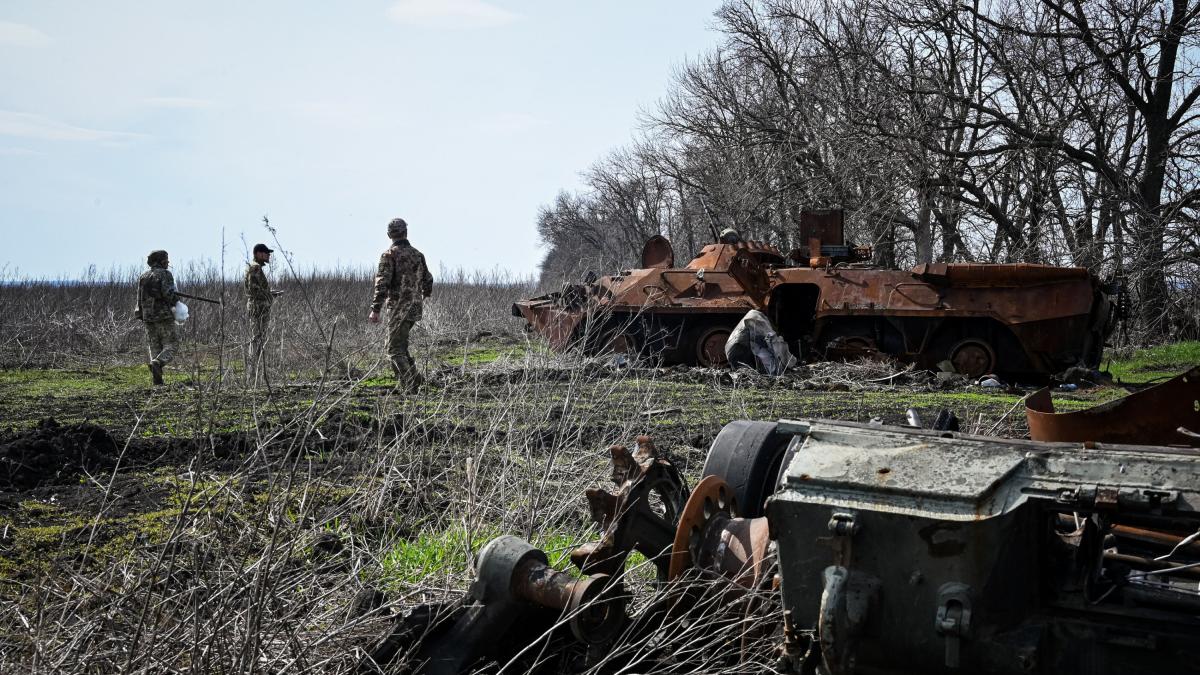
{"x":1015,"y":320}
{"x":897,"y":550}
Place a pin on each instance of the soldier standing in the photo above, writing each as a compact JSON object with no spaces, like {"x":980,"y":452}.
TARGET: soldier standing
{"x":259,"y":298}
{"x":403,"y":281}
{"x":156,"y":308}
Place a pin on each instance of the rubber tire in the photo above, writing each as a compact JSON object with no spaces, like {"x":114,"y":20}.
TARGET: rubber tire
{"x":747,"y":456}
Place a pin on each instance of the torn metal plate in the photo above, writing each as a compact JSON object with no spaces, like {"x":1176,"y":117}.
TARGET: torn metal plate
{"x":1165,"y":414}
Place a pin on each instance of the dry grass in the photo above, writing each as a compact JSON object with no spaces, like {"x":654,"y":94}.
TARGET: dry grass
{"x":247,"y":531}
{"x":249,"y":550}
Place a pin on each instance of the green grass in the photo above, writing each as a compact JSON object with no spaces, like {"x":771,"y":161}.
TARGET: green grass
{"x":57,"y":382}
{"x":429,"y":553}
{"x":1161,"y":362}
{"x":480,"y":355}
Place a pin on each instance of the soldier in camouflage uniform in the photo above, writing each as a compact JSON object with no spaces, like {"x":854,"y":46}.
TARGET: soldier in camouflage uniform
{"x":156,"y":308}
{"x":403,"y":281}
{"x":259,"y":298}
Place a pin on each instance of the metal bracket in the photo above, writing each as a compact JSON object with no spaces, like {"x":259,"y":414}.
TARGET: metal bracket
{"x":847,"y":599}
{"x":842,"y":524}
{"x":953,"y":620}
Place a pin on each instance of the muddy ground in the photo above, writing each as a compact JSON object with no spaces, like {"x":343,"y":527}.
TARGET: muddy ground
{"x":204,"y":498}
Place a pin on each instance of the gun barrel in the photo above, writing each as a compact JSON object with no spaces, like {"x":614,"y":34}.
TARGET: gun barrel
{"x":197,"y":297}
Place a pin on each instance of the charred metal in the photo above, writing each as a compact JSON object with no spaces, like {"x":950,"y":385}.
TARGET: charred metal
{"x":1016,"y":320}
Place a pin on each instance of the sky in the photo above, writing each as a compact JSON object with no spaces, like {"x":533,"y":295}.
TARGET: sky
{"x":131,"y":126}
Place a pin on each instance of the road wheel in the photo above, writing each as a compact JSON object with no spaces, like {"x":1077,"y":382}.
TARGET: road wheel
{"x":706,"y":344}
{"x":973,"y":357}
{"x":748,"y":456}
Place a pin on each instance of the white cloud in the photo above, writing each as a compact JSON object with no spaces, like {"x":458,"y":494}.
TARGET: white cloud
{"x":26,"y":125}
{"x":450,"y":14}
{"x":180,"y":102}
{"x":20,"y":35}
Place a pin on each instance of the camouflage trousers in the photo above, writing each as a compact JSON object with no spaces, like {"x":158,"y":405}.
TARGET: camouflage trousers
{"x":260,"y":321}
{"x":162,"y":339}
{"x":397,"y":347}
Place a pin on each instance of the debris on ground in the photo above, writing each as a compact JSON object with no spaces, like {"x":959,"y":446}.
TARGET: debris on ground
{"x":1080,"y":377}
{"x":754,"y":342}
{"x":1040,"y":559}
{"x":1165,"y":414}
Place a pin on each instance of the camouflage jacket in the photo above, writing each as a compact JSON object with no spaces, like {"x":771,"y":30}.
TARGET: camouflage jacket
{"x":402,"y":280}
{"x":258,"y":291}
{"x":156,"y":295}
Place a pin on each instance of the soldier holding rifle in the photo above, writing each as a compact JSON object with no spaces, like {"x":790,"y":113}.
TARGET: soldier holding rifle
{"x":156,"y":302}
{"x":156,"y":308}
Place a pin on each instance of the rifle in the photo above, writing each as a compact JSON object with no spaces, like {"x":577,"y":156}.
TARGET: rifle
{"x":196,"y":297}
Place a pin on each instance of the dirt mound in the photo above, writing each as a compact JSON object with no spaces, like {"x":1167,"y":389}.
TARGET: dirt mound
{"x":54,"y":453}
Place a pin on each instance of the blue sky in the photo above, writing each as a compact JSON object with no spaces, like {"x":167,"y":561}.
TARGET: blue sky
{"x":128,"y":126}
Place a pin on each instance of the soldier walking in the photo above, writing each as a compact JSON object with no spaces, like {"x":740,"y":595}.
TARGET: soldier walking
{"x":259,"y":298}
{"x":403,"y":281}
{"x":156,"y":308}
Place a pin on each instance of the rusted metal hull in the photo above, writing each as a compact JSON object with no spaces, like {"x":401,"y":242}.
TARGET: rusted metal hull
{"x":1010,"y":319}
{"x":1165,"y":414}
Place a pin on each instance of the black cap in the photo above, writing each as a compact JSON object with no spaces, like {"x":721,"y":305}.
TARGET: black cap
{"x":262,"y":248}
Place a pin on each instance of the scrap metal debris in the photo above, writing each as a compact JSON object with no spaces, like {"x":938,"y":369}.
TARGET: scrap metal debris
{"x":897,"y":550}
{"x":1165,"y":414}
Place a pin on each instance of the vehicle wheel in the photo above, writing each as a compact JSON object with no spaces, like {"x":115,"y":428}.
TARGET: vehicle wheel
{"x":858,"y":342}
{"x":705,"y":345}
{"x":748,"y":456}
{"x":973,"y":357}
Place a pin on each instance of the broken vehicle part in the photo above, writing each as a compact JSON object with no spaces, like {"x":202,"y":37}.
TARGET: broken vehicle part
{"x":898,"y":551}
{"x":640,"y":516}
{"x":1011,"y":319}
{"x":912,"y":551}
{"x":1164,"y":414}
{"x":711,"y":536}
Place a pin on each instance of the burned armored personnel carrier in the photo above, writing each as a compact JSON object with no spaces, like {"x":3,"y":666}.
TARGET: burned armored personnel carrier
{"x":828,"y":303}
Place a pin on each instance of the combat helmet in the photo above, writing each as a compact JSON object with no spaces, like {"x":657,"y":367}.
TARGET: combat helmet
{"x":730,"y":236}
{"x":157,"y":257}
{"x":397,"y":229}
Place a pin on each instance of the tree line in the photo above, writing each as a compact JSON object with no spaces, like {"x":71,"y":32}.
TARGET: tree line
{"x":1043,"y":131}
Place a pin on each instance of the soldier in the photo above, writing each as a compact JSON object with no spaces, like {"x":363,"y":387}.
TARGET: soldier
{"x":403,"y":281}
{"x":259,"y":298}
{"x":156,"y":308}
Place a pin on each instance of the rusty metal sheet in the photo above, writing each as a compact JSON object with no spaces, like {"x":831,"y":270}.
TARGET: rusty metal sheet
{"x":657,"y":253}
{"x":1165,"y":414}
{"x":1016,"y":274}
{"x":827,"y":226}
{"x":555,"y":323}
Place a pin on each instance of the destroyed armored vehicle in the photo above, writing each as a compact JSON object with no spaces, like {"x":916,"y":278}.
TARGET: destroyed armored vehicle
{"x":1011,"y":319}
{"x":885,"y":550}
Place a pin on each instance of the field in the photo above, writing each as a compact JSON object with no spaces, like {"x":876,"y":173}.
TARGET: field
{"x":214,"y":527}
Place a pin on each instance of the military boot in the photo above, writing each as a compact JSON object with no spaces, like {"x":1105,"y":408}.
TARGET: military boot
{"x":156,"y":373}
